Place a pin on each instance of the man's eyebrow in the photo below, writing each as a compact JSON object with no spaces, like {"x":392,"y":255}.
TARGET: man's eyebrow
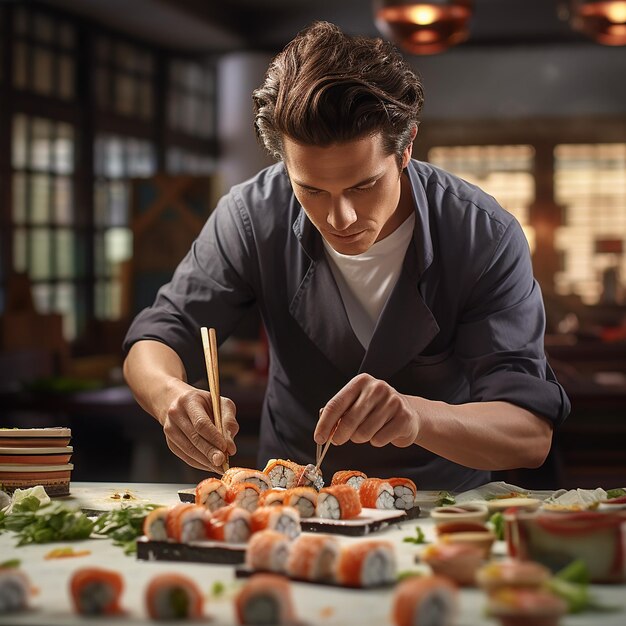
{"x":370,"y":179}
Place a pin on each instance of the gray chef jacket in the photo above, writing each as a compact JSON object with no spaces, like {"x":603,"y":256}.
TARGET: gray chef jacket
{"x":464,"y":323}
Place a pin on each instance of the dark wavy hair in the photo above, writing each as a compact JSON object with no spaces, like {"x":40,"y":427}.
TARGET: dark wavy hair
{"x":327,"y":87}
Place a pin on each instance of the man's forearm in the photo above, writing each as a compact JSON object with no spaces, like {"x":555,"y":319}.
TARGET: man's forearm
{"x":483,"y":435}
{"x":152,"y":371}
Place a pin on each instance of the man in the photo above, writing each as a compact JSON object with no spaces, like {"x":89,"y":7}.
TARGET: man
{"x":396,"y":296}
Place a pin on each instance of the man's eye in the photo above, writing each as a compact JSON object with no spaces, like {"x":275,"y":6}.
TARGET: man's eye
{"x":364,"y":189}
{"x":311,"y":192}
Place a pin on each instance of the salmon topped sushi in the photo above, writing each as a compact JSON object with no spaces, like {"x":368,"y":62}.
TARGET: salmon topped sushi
{"x":245,"y":495}
{"x":173,"y":596}
{"x":15,"y":590}
{"x":404,"y":492}
{"x":354,"y":478}
{"x":154,"y":524}
{"x":425,"y":600}
{"x":338,"y":502}
{"x":265,"y":599}
{"x":190,"y":524}
{"x":284,"y":519}
{"x":236,"y":475}
{"x":211,"y":493}
{"x":267,"y":551}
{"x":313,"y":558}
{"x":302,"y":498}
{"x":96,"y":591}
{"x":272,"y":497}
{"x":230,"y":524}
{"x":368,"y":563}
{"x":376,"y":493}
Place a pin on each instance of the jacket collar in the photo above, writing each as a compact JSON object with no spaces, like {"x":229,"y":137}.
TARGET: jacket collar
{"x":406,"y":325}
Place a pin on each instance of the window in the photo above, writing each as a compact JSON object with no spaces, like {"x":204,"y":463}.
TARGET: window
{"x":590,"y":185}
{"x":46,"y":231}
{"x":117,"y":159}
{"x":505,"y":172}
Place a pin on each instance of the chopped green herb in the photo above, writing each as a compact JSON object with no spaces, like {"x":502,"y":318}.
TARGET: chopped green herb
{"x":123,"y":525}
{"x":445,"y":498}
{"x":217,"y":589}
{"x":615,"y":493}
{"x":497,"y":524}
{"x":419,"y":537}
{"x":11,"y":563}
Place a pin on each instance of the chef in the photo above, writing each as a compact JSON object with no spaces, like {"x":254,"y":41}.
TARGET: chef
{"x":395,"y":296}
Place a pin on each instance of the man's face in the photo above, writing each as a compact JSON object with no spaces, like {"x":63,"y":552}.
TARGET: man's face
{"x":350,"y":191}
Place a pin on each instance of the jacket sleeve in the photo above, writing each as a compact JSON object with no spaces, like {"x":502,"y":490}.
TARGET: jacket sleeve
{"x":212,"y":286}
{"x":500,"y":334}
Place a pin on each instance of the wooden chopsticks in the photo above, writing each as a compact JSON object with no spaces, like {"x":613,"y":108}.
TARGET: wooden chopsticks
{"x":209,"y":343}
{"x":321,"y":453}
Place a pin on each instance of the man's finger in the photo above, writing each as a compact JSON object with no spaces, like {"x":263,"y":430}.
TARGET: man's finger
{"x":229,"y":424}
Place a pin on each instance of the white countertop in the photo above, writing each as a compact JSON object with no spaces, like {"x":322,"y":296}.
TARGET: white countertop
{"x":315,"y":604}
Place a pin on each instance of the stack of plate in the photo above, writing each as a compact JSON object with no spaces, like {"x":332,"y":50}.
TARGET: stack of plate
{"x":36,"y":456}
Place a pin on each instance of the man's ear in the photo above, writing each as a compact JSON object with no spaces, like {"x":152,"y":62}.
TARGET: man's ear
{"x":406,"y":155}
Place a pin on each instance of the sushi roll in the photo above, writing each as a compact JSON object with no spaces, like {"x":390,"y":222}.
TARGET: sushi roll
{"x":271,"y":497}
{"x":376,"y":494}
{"x":367,"y":564}
{"x":231,"y":524}
{"x":425,"y":600}
{"x":265,"y":599}
{"x":404,"y":492}
{"x":96,"y":591}
{"x":354,"y":478}
{"x":15,"y":590}
{"x":154,"y":524}
{"x":338,"y":502}
{"x":173,"y":596}
{"x":283,"y":473}
{"x":211,"y":493}
{"x":267,"y":551}
{"x":171,"y":519}
{"x":190,"y":524}
{"x":456,"y":561}
{"x":244,"y":495}
{"x":310,"y":476}
{"x":302,"y":498}
{"x":284,"y":519}
{"x":313,"y":558}
{"x":519,"y":606}
{"x":236,"y":475}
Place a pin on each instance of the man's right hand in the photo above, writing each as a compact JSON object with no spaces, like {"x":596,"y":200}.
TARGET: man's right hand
{"x":191,"y":433}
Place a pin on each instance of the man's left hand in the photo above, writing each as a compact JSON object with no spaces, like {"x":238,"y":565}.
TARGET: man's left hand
{"x":368,"y":410}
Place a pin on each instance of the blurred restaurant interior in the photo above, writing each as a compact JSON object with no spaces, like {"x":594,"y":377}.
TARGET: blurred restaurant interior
{"x":122,"y":122}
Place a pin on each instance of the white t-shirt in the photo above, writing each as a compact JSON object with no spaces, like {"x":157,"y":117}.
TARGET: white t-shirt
{"x":366,"y":280}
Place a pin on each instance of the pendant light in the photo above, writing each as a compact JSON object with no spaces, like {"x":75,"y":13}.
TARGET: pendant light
{"x":602,"y":20}
{"x":426,"y":27}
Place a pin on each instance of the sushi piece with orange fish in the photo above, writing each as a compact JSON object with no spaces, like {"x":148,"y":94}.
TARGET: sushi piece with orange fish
{"x":172,"y":596}
{"x":96,"y":591}
{"x":265,"y":599}
{"x":425,"y":600}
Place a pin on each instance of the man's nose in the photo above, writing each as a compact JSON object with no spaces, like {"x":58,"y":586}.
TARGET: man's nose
{"x":341,"y":214}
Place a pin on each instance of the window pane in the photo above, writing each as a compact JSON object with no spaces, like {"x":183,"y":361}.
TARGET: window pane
{"x":40,"y":198}
{"x":118,"y":204}
{"x":44,"y":28}
{"x":20,"y":65}
{"x":101,"y":193}
{"x":124,"y":94}
{"x":39,"y":262}
{"x":41,"y":143}
{"x":64,"y":302}
{"x":118,"y":245}
{"x":66,"y":35}
{"x":113,"y":158}
{"x":145,"y":99}
{"x":99,"y":258}
{"x":64,"y":149}
{"x":19,"y":198}
{"x":64,"y":249}
{"x":42,"y":297}
{"x":66,"y":77}
{"x":103,"y":88}
{"x":20,"y":145}
{"x":63,"y":200}
{"x":19,"y":250}
{"x":21,"y":20}
{"x":42,"y":82}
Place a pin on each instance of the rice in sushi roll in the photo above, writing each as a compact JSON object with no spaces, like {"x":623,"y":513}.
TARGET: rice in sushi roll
{"x":173,"y":596}
{"x":338,"y":502}
{"x":171,"y":519}
{"x":211,"y":493}
{"x":284,"y":519}
{"x":154,"y":524}
{"x":313,"y":558}
{"x":267,"y":551}
{"x":404,"y":492}
{"x":96,"y":591}
{"x":230,"y":524}
{"x":354,"y":478}
{"x":376,"y":493}
{"x":302,"y":498}
{"x":236,"y":475}
{"x":425,"y":601}
{"x":15,"y":590}
{"x":367,"y":563}
{"x":190,"y":524}
{"x":288,"y":474}
{"x":244,"y":495}
{"x":265,"y":599}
